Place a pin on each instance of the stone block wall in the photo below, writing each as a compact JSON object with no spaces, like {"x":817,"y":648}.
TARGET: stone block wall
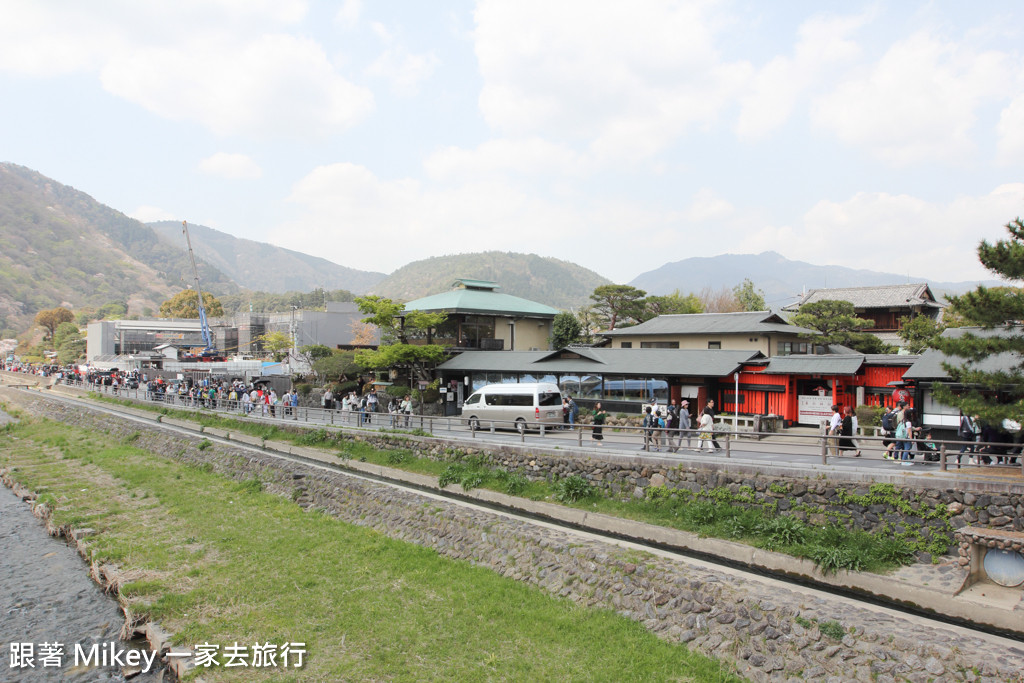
{"x":768,"y":632}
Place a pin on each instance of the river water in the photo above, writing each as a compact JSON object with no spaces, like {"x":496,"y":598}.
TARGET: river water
{"x":47,"y":597}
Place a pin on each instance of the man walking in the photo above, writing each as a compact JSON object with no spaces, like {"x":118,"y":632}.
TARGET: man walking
{"x":709,"y":410}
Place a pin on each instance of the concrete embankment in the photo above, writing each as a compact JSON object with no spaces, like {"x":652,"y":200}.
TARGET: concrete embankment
{"x":772,"y":631}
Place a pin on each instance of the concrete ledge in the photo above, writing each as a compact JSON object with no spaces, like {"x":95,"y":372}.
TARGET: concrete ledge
{"x":247,"y":439}
{"x":221,"y":433}
{"x":184,"y":424}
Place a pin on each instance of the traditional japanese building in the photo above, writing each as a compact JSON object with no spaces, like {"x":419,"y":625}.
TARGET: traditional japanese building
{"x":761,"y":331}
{"x":481,"y":318}
{"x":885,"y":306}
{"x":796,"y":389}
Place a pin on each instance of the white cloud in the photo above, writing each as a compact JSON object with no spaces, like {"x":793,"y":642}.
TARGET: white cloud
{"x":49,"y":38}
{"x":823,"y":46}
{"x":405,"y":71}
{"x":229,"y":65}
{"x":274,"y":84}
{"x":1011,"y":132}
{"x":354,"y":217}
{"x":896,"y":233}
{"x":151,"y":214}
{"x":231,"y":166}
{"x":706,"y":205}
{"x":530,"y":156}
{"x":348,"y":14}
{"x":629,"y":77}
{"x":918,"y":103}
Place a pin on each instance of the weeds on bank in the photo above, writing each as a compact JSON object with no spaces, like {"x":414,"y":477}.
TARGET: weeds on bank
{"x":220,"y":561}
{"x":715,"y":513}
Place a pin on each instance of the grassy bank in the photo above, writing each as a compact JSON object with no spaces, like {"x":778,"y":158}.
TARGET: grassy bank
{"x":719,"y":513}
{"x":220,"y":561}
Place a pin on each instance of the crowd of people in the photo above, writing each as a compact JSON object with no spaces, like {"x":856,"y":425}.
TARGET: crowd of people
{"x":663,"y":426}
{"x":366,"y":405}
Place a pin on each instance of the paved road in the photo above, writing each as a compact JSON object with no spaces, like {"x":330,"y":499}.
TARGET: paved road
{"x":798,"y":447}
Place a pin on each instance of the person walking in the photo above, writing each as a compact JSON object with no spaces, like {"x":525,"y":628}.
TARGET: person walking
{"x":406,"y":408}
{"x":672,"y":427}
{"x":706,"y":432}
{"x":685,"y":424}
{"x":835,"y":426}
{"x":646,"y":424}
{"x":597,"y":434}
{"x":847,"y":430}
{"x":709,"y":410}
{"x":965,"y":433}
{"x":905,"y":438}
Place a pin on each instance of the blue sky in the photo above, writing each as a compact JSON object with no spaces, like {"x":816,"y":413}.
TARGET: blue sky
{"x":619,"y":136}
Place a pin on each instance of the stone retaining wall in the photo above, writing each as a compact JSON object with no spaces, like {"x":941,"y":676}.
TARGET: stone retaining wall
{"x":770,"y":632}
{"x":859,"y":501}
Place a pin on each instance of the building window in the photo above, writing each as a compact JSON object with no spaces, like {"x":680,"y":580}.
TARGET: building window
{"x":659,"y":345}
{"x":627,"y":345}
{"x":793,"y":348}
{"x":714,"y":344}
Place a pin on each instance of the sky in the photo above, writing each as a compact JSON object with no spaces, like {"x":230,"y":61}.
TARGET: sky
{"x":885,"y":135}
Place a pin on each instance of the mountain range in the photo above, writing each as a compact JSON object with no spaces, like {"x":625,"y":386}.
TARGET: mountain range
{"x":60,"y":247}
{"x":264,"y":267}
{"x":781,"y":279}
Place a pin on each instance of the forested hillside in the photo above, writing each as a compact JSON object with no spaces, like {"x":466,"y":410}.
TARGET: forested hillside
{"x":59,"y":246}
{"x":543,"y":279}
{"x":261,"y":266}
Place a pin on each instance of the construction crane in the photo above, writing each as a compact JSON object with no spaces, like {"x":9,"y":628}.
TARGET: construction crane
{"x":208,"y":351}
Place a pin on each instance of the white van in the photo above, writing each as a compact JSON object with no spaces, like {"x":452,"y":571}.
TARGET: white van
{"x":523,"y":406}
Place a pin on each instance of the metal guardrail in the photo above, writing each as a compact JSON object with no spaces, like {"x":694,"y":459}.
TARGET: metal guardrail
{"x":623,"y":437}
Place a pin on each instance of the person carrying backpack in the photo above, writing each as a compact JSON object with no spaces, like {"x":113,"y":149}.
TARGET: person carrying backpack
{"x":966,"y":434}
{"x":887,"y":433}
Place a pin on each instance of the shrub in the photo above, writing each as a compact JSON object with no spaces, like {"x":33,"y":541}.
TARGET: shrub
{"x":204,"y":444}
{"x":892,"y":550}
{"x":472,"y":480}
{"x":870,"y":416}
{"x":701,"y":513}
{"x":832,"y":629}
{"x":398,"y":457}
{"x":831,"y":560}
{"x":313,"y":438}
{"x":572,"y":489}
{"x":782,"y":531}
{"x":514,"y":483}
{"x":451,"y":475}
{"x":304,"y":388}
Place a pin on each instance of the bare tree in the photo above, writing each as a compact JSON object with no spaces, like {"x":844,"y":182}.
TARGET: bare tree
{"x":719,"y":300}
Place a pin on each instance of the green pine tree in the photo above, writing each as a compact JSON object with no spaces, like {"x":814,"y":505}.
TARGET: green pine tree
{"x":994,"y":394}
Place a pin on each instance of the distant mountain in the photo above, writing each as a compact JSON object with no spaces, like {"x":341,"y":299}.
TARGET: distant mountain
{"x":59,"y":246}
{"x":264,"y":267}
{"x":543,"y":279}
{"x":781,"y":279}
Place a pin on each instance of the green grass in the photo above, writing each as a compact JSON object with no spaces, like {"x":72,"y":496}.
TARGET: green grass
{"x":221,"y":561}
{"x":831,"y":547}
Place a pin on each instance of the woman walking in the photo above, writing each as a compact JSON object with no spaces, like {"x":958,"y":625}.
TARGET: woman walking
{"x":599,"y":417}
{"x":707,"y":425}
{"x":847,"y":430}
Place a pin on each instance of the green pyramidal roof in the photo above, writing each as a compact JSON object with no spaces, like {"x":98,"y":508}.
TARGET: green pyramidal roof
{"x":482,"y":302}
